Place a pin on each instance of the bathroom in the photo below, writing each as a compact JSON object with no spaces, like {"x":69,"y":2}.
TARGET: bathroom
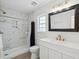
{"x":16,"y":17}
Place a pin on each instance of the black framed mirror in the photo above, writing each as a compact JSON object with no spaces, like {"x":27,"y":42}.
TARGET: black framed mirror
{"x":66,"y":19}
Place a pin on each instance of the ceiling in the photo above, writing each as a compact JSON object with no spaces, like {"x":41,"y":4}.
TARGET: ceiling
{"x":24,"y":6}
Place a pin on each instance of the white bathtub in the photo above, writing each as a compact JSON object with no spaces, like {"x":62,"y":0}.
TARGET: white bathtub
{"x":8,"y":54}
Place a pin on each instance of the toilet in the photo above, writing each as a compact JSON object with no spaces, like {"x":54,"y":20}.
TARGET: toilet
{"x":34,"y":52}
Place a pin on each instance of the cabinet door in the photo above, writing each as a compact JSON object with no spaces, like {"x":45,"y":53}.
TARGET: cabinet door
{"x":43,"y":52}
{"x":67,"y":57}
{"x":54,"y":54}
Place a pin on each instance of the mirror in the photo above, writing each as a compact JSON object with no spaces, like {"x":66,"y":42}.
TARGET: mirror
{"x":64,"y":20}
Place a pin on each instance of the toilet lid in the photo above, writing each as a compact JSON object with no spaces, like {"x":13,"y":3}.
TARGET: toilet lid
{"x":34,"y":47}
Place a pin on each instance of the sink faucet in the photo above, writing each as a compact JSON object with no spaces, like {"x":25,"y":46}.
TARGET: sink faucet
{"x":60,"y":38}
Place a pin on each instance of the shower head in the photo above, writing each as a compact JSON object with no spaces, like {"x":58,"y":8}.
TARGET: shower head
{"x":3,"y":11}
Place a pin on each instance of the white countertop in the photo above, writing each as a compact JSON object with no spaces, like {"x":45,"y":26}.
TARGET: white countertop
{"x":64,"y":43}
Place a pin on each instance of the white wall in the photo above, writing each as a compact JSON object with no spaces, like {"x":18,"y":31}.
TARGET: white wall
{"x":69,"y":36}
{"x":14,"y":37}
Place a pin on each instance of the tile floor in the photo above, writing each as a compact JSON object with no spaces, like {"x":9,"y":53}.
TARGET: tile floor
{"x":24,"y":56}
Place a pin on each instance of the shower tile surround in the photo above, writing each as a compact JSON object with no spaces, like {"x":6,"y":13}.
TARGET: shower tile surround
{"x":14,"y":30}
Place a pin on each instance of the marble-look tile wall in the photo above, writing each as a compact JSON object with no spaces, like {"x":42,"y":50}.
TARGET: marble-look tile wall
{"x":14,"y":32}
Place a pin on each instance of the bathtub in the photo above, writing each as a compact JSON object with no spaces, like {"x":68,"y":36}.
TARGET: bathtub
{"x":9,"y":54}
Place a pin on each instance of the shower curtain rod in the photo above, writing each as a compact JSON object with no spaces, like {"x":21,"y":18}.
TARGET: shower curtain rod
{"x":12,"y":17}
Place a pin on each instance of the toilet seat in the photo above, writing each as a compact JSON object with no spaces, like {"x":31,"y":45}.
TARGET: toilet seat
{"x":34,"y":48}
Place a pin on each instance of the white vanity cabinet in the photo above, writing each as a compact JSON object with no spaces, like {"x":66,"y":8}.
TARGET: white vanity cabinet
{"x":54,"y":54}
{"x":53,"y":50}
{"x":43,"y":52}
{"x":46,"y":53}
{"x":67,"y":57}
